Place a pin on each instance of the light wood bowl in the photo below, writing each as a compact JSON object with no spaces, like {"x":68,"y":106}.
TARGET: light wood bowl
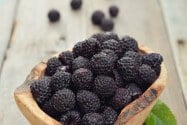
{"x":133,"y":114}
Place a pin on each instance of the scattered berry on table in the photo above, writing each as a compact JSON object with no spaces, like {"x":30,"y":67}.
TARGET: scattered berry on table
{"x":113,"y":11}
{"x":76,"y":4}
{"x":97,"y":17}
{"x":54,"y":15}
{"x":107,"y":24}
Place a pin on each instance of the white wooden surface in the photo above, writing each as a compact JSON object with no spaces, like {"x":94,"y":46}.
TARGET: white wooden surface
{"x":34,"y":39}
{"x":176,"y":23}
{"x":7,"y":12}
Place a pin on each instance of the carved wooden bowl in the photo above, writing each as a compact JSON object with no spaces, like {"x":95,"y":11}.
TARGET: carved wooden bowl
{"x":133,"y":114}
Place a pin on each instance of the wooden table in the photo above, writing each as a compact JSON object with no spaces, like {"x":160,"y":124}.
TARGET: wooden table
{"x":26,"y":37}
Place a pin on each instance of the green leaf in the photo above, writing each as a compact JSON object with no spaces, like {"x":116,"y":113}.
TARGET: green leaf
{"x":160,"y":115}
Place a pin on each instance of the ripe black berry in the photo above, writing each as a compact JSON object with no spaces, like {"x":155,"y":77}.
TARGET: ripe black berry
{"x":76,"y":4}
{"x":105,"y":86}
{"x":92,"y":119}
{"x":113,"y":10}
{"x":102,"y":37}
{"x":88,"y":101}
{"x":52,"y":66}
{"x":60,"y":80}
{"x":109,"y":116}
{"x":71,"y":118}
{"x":80,"y":62}
{"x":107,"y":24}
{"x":63,"y":100}
{"x":129,"y":44}
{"x":82,"y":78}
{"x":41,"y":90}
{"x":110,"y":53}
{"x":152,"y":59}
{"x":134,"y":55}
{"x":97,"y":17}
{"x":53,"y":15}
{"x":134,"y":90}
{"x":102,"y":63}
{"x":66,"y":57}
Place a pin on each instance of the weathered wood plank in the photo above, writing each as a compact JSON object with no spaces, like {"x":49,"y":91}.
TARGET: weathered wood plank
{"x":176,"y":23}
{"x":35,"y":39}
{"x":7,"y":12}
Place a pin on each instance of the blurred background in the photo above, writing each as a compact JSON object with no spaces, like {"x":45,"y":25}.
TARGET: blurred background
{"x":27,"y":37}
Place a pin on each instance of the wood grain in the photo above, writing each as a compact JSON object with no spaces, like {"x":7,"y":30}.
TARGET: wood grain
{"x":34,"y":39}
{"x":7,"y":13}
{"x":176,"y":24}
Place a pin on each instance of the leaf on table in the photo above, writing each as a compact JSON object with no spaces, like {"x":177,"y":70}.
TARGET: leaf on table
{"x":160,"y":115}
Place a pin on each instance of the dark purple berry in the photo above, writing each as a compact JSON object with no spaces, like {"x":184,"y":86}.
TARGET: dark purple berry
{"x":80,"y":62}
{"x":129,"y":44}
{"x":107,"y":24}
{"x":71,"y":118}
{"x":53,"y":15}
{"x":109,"y":116}
{"x":76,"y":4}
{"x":134,"y":90}
{"x":113,"y":10}
{"x":92,"y":119}
{"x":97,"y":17}
{"x":66,"y":57}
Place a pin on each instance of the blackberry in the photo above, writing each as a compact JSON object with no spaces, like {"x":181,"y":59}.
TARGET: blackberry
{"x":110,"y":53}
{"x":127,"y":67}
{"x":134,"y":55}
{"x":49,"y":109}
{"x":82,"y":79}
{"x":118,"y":79}
{"x":66,"y":57}
{"x":102,"y":63}
{"x":53,"y":15}
{"x":63,"y":100}
{"x":146,"y":76}
{"x":86,"y":48}
{"x":107,"y":24}
{"x":97,"y":17}
{"x":102,"y":37}
{"x":121,"y":98}
{"x":134,"y":90}
{"x":129,"y":44}
{"x":60,"y":80}
{"x":113,"y":10}
{"x":92,"y":119}
{"x":76,"y":4}
{"x":105,"y":86}
{"x":71,"y":118}
{"x":152,"y":59}
{"x":109,"y":116}
{"x":52,"y":65}
{"x":112,"y":45}
{"x":88,"y":101}
{"x":41,"y":90}
{"x":80,"y":62}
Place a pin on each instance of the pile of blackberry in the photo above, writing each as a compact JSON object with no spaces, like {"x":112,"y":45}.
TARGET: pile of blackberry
{"x":91,"y":84}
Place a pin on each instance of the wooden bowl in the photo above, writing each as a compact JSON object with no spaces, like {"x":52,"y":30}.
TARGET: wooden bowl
{"x":133,"y":114}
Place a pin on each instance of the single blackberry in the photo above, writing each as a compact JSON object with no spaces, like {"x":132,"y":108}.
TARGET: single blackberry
{"x":129,"y":44}
{"x":112,"y":45}
{"x":97,"y":17}
{"x":53,"y":15}
{"x":82,"y":79}
{"x":134,"y":90}
{"x":109,"y":116}
{"x":107,"y":24}
{"x":49,"y":109}
{"x":60,"y":80}
{"x":146,"y":76}
{"x":102,"y":63}
{"x":105,"y":86}
{"x":66,"y":68}
{"x":102,"y":37}
{"x":113,"y":11}
{"x":66,"y":57}
{"x":86,"y":48}
{"x":63,"y":100}
{"x":121,"y":98}
{"x":71,"y":118}
{"x":41,"y":90}
{"x":92,"y":119}
{"x":127,"y":67}
{"x":88,"y":101}
{"x":76,"y":4}
{"x":80,"y":62}
{"x":118,"y":79}
{"x":152,"y":59}
{"x":134,"y":55}
{"x":52,"y":65}
{"x":110,"y":53}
